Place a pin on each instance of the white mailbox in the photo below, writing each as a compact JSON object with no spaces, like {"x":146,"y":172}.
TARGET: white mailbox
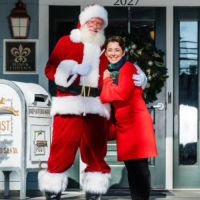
{"x":25,"y":130}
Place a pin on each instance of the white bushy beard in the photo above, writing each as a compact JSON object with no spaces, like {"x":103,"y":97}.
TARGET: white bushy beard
{"x":87,"y":37}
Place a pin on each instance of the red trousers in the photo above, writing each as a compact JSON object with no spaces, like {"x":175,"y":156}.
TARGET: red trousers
{"x":72,"y":131}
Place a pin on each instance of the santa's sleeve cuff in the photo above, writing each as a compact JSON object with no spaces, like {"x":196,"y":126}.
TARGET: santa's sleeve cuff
{"x":63,"y":72}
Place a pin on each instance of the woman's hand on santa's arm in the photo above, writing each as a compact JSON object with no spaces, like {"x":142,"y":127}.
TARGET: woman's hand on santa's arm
{"x":140,"y":78}
{"x":106,"y":74}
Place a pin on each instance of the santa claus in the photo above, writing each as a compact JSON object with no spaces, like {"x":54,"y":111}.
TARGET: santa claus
{"x":76,"y":65}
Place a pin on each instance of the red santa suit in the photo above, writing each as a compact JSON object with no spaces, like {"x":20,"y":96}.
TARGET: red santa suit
{"x":71,"y":129}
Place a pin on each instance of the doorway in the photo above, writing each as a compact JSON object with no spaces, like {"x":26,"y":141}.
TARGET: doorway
{"x":186,"y":97}
{"x":144,"y":21}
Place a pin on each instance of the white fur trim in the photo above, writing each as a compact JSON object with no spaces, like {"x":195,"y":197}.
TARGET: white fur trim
{"x":52,"y":182}
{"x":94,"y":11}
{"x":75,"y":35}
{"x":91,"y":55}
{"x":96,"y":182}
{"x":63,"y":72}
{"x":75,"y":105}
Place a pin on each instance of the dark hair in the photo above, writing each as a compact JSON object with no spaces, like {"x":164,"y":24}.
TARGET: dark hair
{"x":118,"y":39}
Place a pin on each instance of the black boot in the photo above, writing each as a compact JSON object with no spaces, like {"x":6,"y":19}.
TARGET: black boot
{"x":52,"y":196}
{"x":90,"y":196}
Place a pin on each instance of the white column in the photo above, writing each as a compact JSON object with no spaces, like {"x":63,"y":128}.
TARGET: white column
{"x":43,"y":44}
{"x":129,"y":20}
{"x":169,"y":88}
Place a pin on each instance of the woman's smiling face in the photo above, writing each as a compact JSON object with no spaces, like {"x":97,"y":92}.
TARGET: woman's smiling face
{"x":114,"y":52}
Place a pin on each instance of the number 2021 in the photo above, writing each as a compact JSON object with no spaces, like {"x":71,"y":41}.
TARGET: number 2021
{"x":125,"y":2}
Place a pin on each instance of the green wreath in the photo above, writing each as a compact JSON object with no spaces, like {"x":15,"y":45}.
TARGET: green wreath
{"x":150,"y":60}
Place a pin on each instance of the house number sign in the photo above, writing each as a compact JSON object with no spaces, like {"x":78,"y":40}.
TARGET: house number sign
{"x":126,"y":3}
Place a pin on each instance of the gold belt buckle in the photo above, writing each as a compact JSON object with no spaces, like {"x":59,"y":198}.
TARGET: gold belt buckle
{"x":82,"y":90}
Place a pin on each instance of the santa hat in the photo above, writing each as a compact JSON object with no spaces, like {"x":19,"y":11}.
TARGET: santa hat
{"x":94,"y":11}
{"x":88,"y":13}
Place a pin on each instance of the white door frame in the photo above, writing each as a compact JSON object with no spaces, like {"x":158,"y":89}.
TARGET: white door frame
{"x":170,"y":4}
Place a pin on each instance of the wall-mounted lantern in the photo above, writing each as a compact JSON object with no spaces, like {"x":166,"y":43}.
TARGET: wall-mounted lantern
{"x":19,"y":21}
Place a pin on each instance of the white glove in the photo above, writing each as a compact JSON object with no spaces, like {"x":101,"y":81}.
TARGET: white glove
{"x":140,"y":78}
{"x":82,"y":69}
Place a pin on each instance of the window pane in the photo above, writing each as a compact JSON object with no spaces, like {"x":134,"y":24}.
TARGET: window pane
{"x":22,"y":31}
{"x":16,"y":31}
{"x":23,"y":22}
{"x":145,"y":29}
{"x":15,"y":21}
{"x":117,"y":27}
{"x":188,"y":92}
{"x":63,"y":28}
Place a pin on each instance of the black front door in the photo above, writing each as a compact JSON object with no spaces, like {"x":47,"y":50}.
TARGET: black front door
{"x":151,"y":24}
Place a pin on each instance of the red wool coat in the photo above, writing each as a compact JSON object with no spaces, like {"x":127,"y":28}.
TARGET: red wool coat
{"x":134,"y":128}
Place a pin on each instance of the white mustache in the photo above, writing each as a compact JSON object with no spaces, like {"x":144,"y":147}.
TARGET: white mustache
{"x":92,"y":29}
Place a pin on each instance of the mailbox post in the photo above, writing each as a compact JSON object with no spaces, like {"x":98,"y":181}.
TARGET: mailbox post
{"x":25,"y":130}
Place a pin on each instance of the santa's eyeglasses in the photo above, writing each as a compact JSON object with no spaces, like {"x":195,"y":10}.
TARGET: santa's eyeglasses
{"x":99,"y":25}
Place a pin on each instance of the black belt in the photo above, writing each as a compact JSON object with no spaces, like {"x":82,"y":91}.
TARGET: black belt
{"x":79,"y":90}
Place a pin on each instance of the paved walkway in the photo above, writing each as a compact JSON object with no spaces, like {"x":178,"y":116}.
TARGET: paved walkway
{"x":113,"y":195}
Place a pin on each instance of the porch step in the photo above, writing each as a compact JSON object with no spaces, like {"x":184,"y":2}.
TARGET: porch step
{"x":126,"y":192}
{"x":120,"y":194}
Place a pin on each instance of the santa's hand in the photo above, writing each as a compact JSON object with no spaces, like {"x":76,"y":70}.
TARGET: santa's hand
{"x":140,"y":78}
{"x":82,"y":69}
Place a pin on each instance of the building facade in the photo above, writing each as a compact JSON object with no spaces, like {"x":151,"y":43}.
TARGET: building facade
{"x":176,"y":29}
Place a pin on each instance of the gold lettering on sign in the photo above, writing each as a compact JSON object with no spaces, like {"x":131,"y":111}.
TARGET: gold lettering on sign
{"x":8,"y":150}
{"x":4,"y":125}
{"x":40,"y":143}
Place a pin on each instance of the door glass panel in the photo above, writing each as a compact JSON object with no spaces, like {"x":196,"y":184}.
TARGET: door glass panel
{"x":63,"y":28}
{"x":146,"y":33}
{"x":188,"y":92}
{"x":116,"y":27}
{"x":144,"y":29}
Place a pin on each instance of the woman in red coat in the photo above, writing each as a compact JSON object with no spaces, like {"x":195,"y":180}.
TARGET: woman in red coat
{"x":133,"y":124}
